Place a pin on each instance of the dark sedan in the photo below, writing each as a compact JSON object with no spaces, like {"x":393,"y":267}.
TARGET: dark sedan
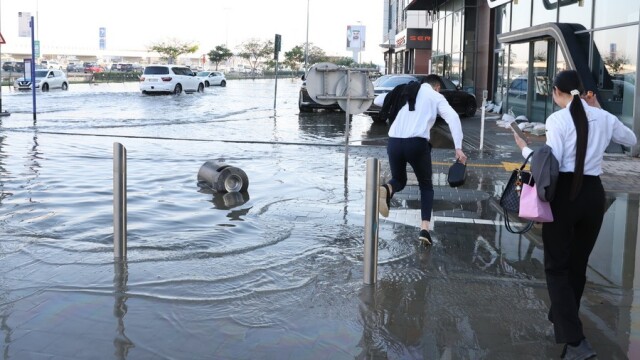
{"x":306,"y":103}
{"x":461,"y":101}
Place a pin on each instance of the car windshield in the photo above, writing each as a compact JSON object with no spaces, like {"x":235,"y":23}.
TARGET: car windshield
{"x":156,"y":70}
{"x":394,"y":81}
{"x":203,"y":73}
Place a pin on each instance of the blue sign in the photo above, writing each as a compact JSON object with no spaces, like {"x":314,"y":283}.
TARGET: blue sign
{"x":103,"y":33}
{"x":103,"y":44}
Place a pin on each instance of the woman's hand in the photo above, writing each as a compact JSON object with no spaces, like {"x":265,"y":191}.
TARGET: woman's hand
{"x":519,"y":141}
{"x":461,"y":156}
{"x":591,"y":100}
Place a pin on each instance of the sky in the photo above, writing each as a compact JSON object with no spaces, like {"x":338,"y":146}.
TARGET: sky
{"x":65,"y":25}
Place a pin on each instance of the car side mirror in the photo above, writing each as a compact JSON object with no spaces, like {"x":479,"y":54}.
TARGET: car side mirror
{"x":302,"y":77}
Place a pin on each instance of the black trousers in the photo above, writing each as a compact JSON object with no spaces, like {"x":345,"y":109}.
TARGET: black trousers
{"x":417,"y":152}
{"x":568,"y":242}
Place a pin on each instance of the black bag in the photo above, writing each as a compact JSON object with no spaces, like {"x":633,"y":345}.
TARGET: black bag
{"x":510,"y":199}
{"x":457,"y":174}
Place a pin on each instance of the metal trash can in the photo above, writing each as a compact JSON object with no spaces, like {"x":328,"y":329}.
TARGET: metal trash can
{"x":222,"y":177}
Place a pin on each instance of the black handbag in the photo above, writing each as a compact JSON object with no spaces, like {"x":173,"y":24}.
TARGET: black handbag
{"x":510,"y":199}
{"x":457,"y":174}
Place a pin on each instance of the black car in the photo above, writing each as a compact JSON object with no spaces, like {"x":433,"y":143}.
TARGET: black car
{"x":307,"y":104}
{"x":461,"y":101}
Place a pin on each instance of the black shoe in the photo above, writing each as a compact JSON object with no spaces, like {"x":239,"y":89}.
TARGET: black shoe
{"x":425,"y":237}
{"x":581,"y":352}
{"x":384,"y":200}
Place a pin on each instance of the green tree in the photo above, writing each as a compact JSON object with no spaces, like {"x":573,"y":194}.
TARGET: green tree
{"x":219,"y":54}
{"x":254,"y":51}
{"x":315,"y":55}
{"x":172,"y":49}
{"x":294,"y":58}
{"x":616,"y":63}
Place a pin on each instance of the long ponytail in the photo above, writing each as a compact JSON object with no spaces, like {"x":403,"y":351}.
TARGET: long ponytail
{"x":569,"y":82}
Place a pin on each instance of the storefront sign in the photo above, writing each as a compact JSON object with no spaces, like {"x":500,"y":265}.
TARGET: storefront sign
{"x":414,"y":39}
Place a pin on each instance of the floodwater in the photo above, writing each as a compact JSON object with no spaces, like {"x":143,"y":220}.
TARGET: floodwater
{"x":275,"y":273}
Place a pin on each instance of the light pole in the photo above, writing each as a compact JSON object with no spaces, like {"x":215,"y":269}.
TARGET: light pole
{"x":2,"y":113}
{"x":306,"y":44}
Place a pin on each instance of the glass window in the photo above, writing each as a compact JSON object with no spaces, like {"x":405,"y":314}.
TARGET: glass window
{"x":448,"y":22}
{"x":469,"y":29}
{"x":468,"y":73}
{"x":518,"y":74}
{"x":456,"y":69}
{"x":613,"y":12}
{"x":521,"y":15}
{"x":544,"y":12}
{"x":503,"y":23}
{"x":435,"y":38}
{"x":457,"y":31}
{"x":575,"y":14}
{"x":614,"y":69}
{"x":442,"y":34}
{"x":457,"y":5}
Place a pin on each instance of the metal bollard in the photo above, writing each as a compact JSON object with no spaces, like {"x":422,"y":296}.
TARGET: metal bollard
{"x":371,"y":222}
{"x":119,"y":201}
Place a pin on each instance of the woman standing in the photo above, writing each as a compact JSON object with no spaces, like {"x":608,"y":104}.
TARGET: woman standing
{"x":578,"y":135}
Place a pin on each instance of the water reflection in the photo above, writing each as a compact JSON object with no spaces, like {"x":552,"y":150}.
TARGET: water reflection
{"x":121,"y":342}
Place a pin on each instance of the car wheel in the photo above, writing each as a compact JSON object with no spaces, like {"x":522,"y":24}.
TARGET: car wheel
{"x":471,"y":108}
{"x":65,"y":86}
{"x":178,"y":89}
{"x":200,"y":87}
{"x":45,"y":87}
{"x":223,"y":83}
{"x":303,"y":108}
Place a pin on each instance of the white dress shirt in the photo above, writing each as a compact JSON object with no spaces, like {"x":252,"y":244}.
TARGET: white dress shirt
{"x":418,"y":123}
{"x":603,"y":128}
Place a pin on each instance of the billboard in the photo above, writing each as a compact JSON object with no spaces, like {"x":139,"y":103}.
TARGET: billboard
{"x":356,"y":36}
{"x":24,"y":27}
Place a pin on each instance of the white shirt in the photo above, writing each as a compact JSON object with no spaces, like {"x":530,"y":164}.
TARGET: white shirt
{"x":603,"y":128}
{"x":418,"y":123}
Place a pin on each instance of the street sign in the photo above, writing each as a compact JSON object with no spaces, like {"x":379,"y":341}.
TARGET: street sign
{"x":2,"y":39}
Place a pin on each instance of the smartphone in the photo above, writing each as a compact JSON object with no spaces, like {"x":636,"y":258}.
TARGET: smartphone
{"x":518,"y":131}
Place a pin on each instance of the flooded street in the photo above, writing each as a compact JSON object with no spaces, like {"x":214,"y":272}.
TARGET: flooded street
{"x":276,"y":273}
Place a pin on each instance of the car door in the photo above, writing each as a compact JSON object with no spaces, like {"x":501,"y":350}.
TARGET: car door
{"x":215,"y":78}
{"x":453,"y":95}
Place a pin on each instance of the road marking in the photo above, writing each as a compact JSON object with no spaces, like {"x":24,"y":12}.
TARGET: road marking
{"x":507,"y":166}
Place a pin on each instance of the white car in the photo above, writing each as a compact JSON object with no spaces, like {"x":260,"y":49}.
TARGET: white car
{"x":171,"y":79}
{"x":50,"y":64}
{"x":45,"y":79}
{"x":212,"y":78}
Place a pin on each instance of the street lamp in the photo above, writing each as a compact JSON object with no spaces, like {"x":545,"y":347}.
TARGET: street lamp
{"x":306,"y":44}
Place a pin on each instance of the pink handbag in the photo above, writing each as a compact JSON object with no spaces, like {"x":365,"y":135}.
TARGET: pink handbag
{"x":531,"y":207}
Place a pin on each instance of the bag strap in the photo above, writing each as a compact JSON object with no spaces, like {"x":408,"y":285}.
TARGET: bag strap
{"x":526,"y":161}
{"x":511,"y":228}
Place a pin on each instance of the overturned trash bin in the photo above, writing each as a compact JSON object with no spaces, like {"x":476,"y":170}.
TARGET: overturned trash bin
{"x":222,"y":177}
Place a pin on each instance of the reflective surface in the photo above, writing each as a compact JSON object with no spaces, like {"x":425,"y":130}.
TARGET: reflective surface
{"x":276,"y":273}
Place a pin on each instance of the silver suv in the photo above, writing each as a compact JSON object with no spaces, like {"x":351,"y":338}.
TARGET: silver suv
{"x":169,"y":79}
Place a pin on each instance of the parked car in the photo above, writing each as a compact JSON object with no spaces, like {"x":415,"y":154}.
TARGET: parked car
{"x":50,"y":64}
{"x":212,"y":78}
{"x":307,"y":104}
{"x":74,"y":67}
{"x":171,"y":79}
{"x":46,"y":79}
{"x":8,"y":65}
{"x":91,"y":68}
{"x":461,"y":101}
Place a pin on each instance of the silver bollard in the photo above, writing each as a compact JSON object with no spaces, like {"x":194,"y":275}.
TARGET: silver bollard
{"x":119,"y":201}
{"x":371,"y":222}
